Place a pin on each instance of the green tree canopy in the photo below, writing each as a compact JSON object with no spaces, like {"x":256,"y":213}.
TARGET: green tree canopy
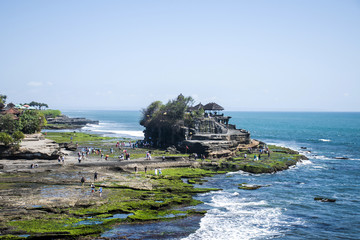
{"x":162,"y":122}
{"x":3,"y":98}
{"x":6,"y":139}
{"x":37,"y":104}
{"x":32,"y":121}
{"x":8,"y":124}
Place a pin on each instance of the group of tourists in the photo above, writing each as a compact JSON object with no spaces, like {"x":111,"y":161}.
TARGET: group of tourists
{"x":158,"y":171}
{"x":61,"y":159}
{"x":92,"y":185}
{"x":260,"y":151}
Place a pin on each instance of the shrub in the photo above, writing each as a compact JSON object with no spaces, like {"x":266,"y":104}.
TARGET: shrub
{"x":18,"y":135}
{"x":32,"y":121}
{"x":6,"y":139}
{"x":49,"y":113}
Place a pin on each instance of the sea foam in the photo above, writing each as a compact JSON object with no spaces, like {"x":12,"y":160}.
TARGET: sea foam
{"x":233,"y":217}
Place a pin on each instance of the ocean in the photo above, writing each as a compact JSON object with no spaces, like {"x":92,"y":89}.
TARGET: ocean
{"x":286,"y":208}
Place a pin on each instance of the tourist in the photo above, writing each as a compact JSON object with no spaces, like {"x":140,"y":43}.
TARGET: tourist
{"x":163,"y":158}
{"x":135,"y":169}
{"x":95,"y":176}
{"x":259,"y":156}
{"x":156,"y":172}
{"x":59,"y":159}
{"x":82,"y":181}
{"x":160,"y":171}
{"x":63,"y":159}
{"x":100,"y":191}
{"x":245,"y":155}
{"x":145,"y":169}
{"x":79,"y":159}
{"x":92,"y":187}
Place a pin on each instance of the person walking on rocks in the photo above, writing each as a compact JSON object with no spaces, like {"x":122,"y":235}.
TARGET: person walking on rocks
{"x":156,"y":172}
{"x":145,"y":169}
{"x":95,"y":176}
{"x":100,"y":191}
{"x":82,"y":181}
{"x":92,"y":187}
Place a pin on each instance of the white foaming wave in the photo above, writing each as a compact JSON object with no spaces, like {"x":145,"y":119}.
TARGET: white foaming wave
{"x":304,"y":162}
{"x":306,"y":153}
{"x":324,"y":140}
{"x":110,"y":128}
{"x":91,"y":126}
{"x":238,"y":218}
{"x":118,"y":132}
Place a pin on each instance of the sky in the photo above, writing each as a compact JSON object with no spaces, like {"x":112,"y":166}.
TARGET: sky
{"x":258,"y":55}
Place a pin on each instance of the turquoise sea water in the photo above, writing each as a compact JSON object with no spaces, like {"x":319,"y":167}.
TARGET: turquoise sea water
{"x":286,"y":208}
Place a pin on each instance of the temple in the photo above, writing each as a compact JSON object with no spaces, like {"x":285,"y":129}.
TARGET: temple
{"x":212,"y":135}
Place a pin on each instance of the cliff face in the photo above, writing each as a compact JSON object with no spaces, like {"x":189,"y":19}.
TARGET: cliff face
{"x":207,"y":136}
{"x":213,"y":138}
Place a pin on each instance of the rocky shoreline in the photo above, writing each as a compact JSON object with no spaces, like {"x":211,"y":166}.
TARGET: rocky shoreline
{"x":49,"y":201}
{"x":65,"y":122}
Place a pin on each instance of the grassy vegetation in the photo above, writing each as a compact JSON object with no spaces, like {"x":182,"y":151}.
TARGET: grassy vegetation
{"x":76,"y":137}
{"x":280,"y":159}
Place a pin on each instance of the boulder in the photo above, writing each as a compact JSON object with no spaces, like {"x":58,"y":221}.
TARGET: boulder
{"x":321,"y":199}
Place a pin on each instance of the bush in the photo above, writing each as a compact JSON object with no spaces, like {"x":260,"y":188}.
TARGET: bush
{"x":18,"y":135}
{"x":6,"y":139}
{"x":32,"y":121}
{"x":8,"y":124}
{"x":51,"y":113}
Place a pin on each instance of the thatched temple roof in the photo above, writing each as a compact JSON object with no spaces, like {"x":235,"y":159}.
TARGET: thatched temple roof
{"x":196,"y":107}
{"x":213,"y":107}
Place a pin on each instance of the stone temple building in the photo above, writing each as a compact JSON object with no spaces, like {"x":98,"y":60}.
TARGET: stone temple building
{"x":212,"y":135}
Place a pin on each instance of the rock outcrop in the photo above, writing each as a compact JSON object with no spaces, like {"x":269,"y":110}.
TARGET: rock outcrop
{"x":215,"y":139}
{"x":65,"y":120}
{"x":33,"y":146}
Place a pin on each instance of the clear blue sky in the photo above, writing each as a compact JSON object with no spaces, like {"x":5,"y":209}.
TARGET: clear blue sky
{"x":245,"y":55}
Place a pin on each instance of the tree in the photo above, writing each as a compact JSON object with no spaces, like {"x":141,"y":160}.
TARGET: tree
{"x":3,"y":98}
{"x":32,"y":121}
{"x":8,"y":124}
{"x":37,"y":104}
{"x":163,"y":122}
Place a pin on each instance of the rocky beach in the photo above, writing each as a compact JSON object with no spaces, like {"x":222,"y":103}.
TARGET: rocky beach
{"x":34,"y":184}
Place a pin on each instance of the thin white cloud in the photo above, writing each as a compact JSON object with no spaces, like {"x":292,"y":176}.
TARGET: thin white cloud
{"x":34,"y":84}
{"x":49,"y":83}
